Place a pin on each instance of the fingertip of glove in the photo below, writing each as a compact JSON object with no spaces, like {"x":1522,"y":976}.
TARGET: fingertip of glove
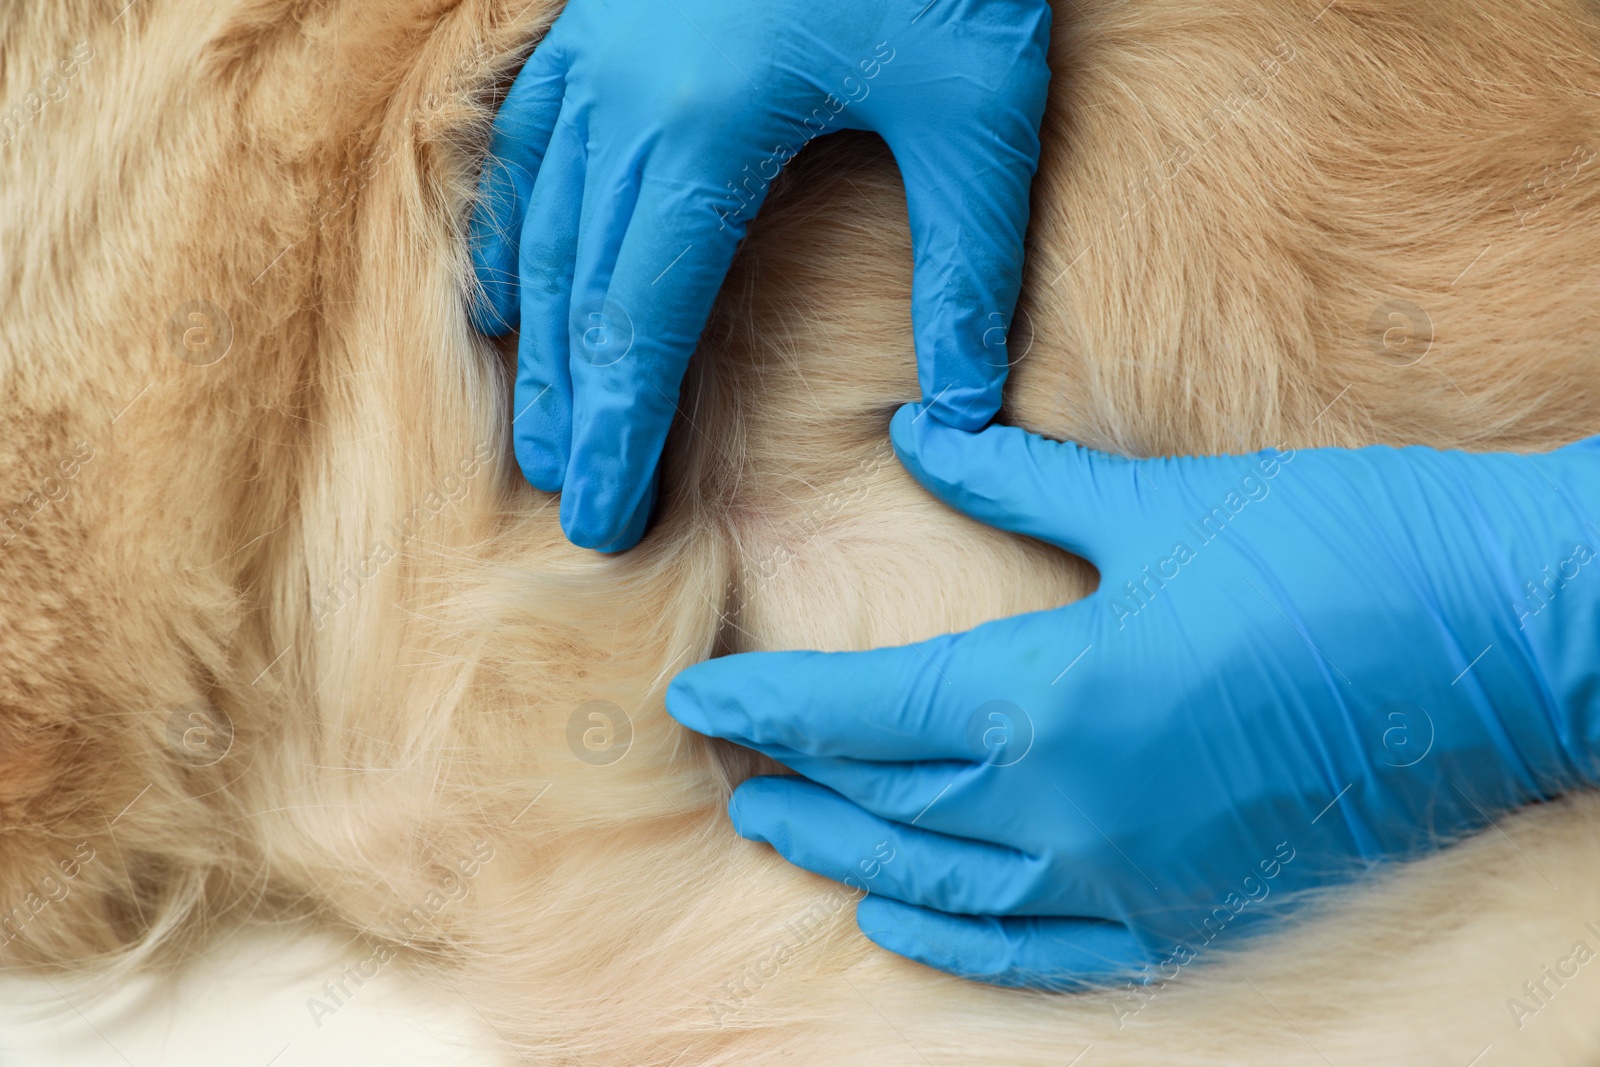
{"x":683,"y":704}
{"x":934,"y":452}
{"x":539,"y":468}
{"x":602,"y":516}
{"x":701,"y":698}
{"x":894,"y":926}
{"x":747,"y":810}
{"x":596,"y":528}
{"x":902,"y":430}
{"x":736,"y":813}
{"x":912,"y":428}
{"x":875,"y":915}
{"x":597,"y":541}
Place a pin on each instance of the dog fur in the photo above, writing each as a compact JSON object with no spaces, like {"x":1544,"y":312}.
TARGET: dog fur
{"x":291,"y":527}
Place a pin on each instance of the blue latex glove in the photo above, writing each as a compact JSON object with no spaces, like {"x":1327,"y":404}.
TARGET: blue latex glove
{"x":640,"y":139}
{"x":1296,"y":664}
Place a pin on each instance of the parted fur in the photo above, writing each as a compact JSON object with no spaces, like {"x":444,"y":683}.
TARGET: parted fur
{"x":285,"y":632}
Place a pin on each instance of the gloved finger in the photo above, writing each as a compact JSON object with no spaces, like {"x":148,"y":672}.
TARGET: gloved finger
{"x":649,"y":268}
{"x":967,"y":186}
{"x":900,"y":792}
{"x":1021,"y":952}
{"x":541,"y":426}
{"x":1075,"y":498}
{"x":518,"y":143}
{"x":942,"y":796}
{"x":815,"y":828}
{"x":932,"y":700}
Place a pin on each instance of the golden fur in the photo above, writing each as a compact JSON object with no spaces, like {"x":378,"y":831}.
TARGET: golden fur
{"x":316,"y":556}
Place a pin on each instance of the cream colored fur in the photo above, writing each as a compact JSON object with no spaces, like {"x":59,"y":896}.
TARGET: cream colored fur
{"x":1230,"y":191}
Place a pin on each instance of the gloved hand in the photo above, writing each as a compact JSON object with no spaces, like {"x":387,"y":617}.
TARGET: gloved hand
{"x":640,"y":139}
{"x":1297,"y":664}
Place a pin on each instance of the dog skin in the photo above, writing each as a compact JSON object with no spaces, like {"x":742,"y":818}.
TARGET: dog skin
{"x":286,"y":633}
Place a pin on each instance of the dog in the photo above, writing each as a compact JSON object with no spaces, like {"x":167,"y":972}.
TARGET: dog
{"x":286,"y":633}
